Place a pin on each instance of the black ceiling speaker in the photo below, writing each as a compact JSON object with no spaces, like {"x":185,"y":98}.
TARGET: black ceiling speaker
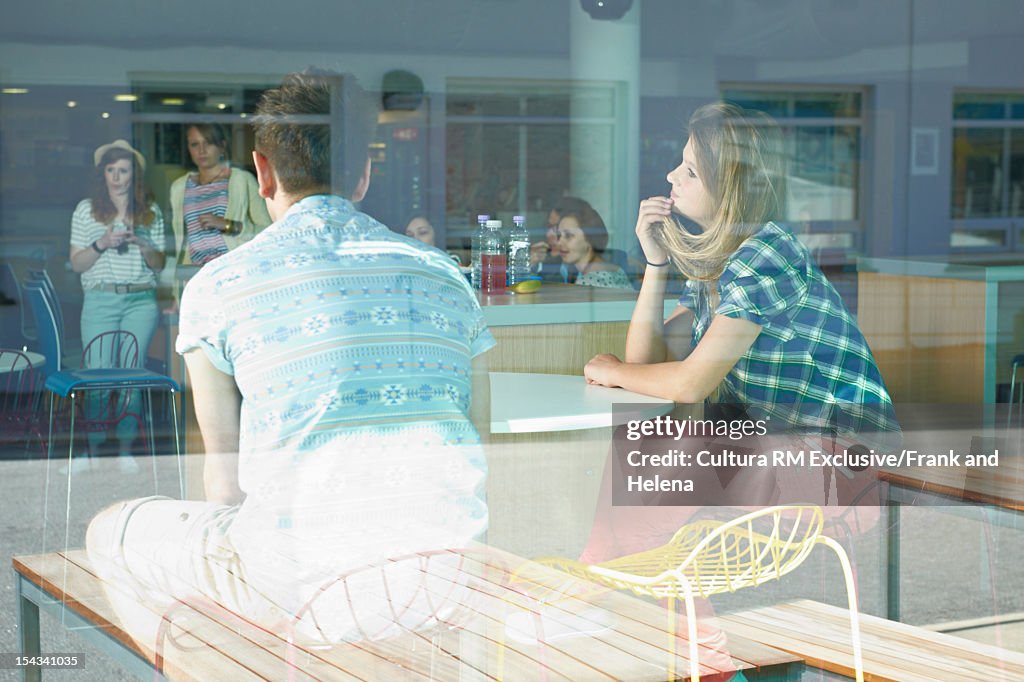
{"x":401,"y":91}
{"x":606,"y":9}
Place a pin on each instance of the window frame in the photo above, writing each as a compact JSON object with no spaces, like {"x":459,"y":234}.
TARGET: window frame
{"x":841,"y":254}
{"x":1009,"y":224}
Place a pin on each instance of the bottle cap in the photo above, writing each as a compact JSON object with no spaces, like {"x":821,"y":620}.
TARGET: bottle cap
{"x":483,"y":217}
{"x":493,"y":223}
{"x":518,"y":219}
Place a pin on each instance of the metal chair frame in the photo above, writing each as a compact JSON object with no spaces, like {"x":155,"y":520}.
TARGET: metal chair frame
{"x":19,"y":399}
{"x":706,"y":558}
{"x":67,"y":384}
{"x":108,"y":350}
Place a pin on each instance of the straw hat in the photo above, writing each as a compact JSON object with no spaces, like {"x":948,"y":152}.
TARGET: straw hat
{"x":118,"y":144}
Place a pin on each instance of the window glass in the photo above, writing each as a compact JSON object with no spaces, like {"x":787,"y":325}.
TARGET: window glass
{"x":823,"y":183}
{"x":977,"y":172}
{"x":509,"y":152}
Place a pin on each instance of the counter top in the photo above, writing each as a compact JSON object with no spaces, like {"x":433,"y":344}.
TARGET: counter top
{"x":940,"y":267}
{"x":562,"y":304}
{"x":553,"y":303}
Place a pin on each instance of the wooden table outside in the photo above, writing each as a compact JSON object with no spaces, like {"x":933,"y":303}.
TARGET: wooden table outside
{"x":627,"y":640}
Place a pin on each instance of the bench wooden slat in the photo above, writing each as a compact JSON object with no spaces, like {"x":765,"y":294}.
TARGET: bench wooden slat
{"x":209,"y":642}
{"x":272,"y":650}
{"x":644,"y":623}
{"x":604,"y":657}
{"x":820,"y":634}
{"x":971,"y":656}
{"x":628,"y":646}
{"x":86,"y":597}
{"x":827,"y":650}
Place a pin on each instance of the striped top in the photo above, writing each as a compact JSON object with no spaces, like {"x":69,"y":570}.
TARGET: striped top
{"x":810,"y":368}
{"x":204,"y":244}
{"x":113,"y":267}
{"x":351,"y":346}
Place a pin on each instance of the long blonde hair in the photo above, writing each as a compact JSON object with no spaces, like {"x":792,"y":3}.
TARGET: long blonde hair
{"x":739,"y":155}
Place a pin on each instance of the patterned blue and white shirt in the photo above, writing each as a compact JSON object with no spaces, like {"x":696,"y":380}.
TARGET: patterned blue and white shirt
{"x":351,"y":346}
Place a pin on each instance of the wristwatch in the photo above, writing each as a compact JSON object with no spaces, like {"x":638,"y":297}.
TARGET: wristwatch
{"x":230,"y":227}
{"x":96,"y":248}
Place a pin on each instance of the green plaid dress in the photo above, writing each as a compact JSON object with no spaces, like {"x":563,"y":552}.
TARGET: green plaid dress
{"x":810,"y":368}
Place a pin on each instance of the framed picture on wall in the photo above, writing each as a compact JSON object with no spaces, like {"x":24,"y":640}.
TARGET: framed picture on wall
{"x":924,"y":151}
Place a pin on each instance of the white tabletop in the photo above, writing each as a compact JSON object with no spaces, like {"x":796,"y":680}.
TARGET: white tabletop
{"x":532,"y":403}
{"x":7,"y":362}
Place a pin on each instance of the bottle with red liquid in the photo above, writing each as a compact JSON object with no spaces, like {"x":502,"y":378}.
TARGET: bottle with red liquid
{"x":493,"y":259}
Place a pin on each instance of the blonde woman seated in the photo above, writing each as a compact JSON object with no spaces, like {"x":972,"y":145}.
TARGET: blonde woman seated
{"x":582,"y":238}
{"x":773,"y":342}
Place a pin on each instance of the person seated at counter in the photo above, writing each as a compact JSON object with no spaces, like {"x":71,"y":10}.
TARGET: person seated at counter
{"x":420,"y":229}
{"x":582,"y":239}
{"x":329,"y":446}
{"x":544,"y":259}
{"x":772,"y":339}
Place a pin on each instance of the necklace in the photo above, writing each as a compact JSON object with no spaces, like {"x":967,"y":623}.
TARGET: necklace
{"x":222,"y":173}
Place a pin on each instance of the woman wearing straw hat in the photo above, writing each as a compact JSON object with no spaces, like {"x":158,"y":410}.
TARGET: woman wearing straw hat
{"x":117,"y":244}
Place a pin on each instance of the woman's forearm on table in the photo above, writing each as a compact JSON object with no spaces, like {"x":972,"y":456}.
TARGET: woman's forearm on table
{"x":645,"y":342}
{"x":695,"y":378}
{"x":668,"y":380}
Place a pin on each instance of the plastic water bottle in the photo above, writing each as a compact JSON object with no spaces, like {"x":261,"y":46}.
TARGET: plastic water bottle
{"x":518,"y":251}
{"x":493,"y":259}
{"x":474,"y":256}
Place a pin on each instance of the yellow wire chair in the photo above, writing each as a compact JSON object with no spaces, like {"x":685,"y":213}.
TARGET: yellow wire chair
{"x":709,"y":557}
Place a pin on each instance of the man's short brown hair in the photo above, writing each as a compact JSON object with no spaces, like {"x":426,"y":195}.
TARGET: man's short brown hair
{"x":315,"y":131}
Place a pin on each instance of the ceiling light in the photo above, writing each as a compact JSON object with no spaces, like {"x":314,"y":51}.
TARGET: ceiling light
{"x":222,"y":106}
{"x":105,"y":114}
{"x":72,"y":104}
{"x":14,"y":91}
{"x":126,"y":98}
{"x":173,"y":101}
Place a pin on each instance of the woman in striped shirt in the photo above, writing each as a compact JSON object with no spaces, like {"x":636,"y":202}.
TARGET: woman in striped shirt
{"x":117,"y":243}
{"x":217,"y":207}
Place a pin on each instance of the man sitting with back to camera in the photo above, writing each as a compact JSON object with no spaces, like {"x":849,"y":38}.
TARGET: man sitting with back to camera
{"x":331,"y":367}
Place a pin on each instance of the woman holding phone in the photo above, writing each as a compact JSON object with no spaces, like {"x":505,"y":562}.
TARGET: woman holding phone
{"x":117,"y":244}
{"x":771,"y":337}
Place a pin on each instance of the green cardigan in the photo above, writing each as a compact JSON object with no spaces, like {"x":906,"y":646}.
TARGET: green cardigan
{"x":245,"y":206}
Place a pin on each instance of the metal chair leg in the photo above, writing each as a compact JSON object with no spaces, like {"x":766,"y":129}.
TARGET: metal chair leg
{"x":177,"y":446}
{"x":151,"y":437}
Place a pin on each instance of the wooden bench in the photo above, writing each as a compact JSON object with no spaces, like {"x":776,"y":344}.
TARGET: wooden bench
{"x":820,"y":635}
{"x":209,"y":643}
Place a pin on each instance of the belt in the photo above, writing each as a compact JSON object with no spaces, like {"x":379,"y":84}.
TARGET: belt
{"x":123,"y":288}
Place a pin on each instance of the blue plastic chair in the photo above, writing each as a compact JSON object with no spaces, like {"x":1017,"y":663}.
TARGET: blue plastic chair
{"x":69,"y":383}
{"x":47,"y":330}
{"x":41,"y":279}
